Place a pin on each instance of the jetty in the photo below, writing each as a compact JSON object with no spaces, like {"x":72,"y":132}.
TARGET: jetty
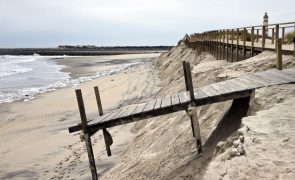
{"x":217,"y":43}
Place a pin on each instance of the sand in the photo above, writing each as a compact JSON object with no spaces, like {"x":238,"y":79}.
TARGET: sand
{"x":35,"y":143}
{"x":161,"y":147}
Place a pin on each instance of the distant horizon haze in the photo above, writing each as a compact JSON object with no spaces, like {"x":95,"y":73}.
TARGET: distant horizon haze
{"x":49,"y":23}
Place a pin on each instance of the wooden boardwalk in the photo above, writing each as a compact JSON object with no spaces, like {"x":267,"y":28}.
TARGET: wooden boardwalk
{"x":243,"y":42}
{"x":222,"y":91}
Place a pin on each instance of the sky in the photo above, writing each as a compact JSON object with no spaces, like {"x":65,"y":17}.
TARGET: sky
{"x":49,"y":23}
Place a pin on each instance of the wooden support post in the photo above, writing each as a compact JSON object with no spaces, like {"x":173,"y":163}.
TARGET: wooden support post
{"x":279,"y":54}
{"x":244,"y":43}
{"x":86,"y":134}
{"x":223,"y":40}
{"x":252,"y":41}
{"x":294,"y":43}
{"x":263,"y":36}
{"x":283,"y":35}
{"x":185,"y":75}
{"x":232,"y":45}
{"x":192,"y":110}
{"x":257,"y":35}
{"x":227,"y":34}
{"x":272,"y":35}
{"x":237,"y":50}
{"x":277,"y":35}
{"x":107,"y":136}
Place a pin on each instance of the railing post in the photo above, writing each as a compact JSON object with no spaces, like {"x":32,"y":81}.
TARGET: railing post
{"x":252,"y":41}
{"x":277,"y":35}
{"x":227,"y":34}
{"x":279,"y":54}
{"x":232,"y":45}
{"x":237,"y":50}
{"x":257,"y":35}
{"x":244,"y":43}
{"x":283,"y":35}
{"x":86,"y":134}
{"x":263,"y":36}
{"x":223,"y":40}
{"x":272,"y":35}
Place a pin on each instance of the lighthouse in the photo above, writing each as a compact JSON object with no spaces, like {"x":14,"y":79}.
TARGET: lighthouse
{"x":265,"y":23}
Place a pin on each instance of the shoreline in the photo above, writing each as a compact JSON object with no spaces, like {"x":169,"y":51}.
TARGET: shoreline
{"x":83,"y":69}
{"x":38,"y":128}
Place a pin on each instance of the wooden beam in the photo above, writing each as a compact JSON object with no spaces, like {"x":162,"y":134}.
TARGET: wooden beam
{"x":277,"y":35}
{"x":86,"y":134}
{"x":244,"y":43}
{"x":252,"y":41}
{"x":190,"y":82}
{"x":185,"y":75}
{"x":107,"y":136}
{"x":263,"y":36}
{"x":232,"y":45}
{"x":272,"y":35}
{"x":279,"y":54}
{"x":283,"y":35}
{"x":237,"y":50}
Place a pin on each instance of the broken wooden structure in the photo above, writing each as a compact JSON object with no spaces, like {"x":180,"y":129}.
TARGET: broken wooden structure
{"x":188,"y":100}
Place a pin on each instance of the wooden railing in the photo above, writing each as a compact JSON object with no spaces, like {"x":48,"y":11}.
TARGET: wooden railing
{"x":238,"y":43}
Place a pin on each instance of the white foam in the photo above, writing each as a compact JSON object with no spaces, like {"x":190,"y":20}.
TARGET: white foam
{"x":27,"y":94}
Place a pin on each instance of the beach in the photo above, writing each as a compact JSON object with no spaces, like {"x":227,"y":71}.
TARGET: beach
{"x":35,"y":143}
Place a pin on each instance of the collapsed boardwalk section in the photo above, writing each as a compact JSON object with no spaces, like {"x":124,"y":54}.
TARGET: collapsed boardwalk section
{"x":235,"y":88}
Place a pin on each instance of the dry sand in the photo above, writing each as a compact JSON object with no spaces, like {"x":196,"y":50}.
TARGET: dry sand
{"x":35,"y":143}
{"x":162,"y":147}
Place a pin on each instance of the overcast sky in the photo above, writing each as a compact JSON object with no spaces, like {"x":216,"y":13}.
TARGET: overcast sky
{"x":48,"y":23}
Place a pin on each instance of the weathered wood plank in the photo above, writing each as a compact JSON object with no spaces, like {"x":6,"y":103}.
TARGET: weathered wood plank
{"x":243,"y":84}
{"x":166,"y":101}
{"x":139,"y":108}
{"x":158,"y":103}
{"x":288,"y":73}
{"x":235,"y":87}
{"x":279,"y":75}
{"x":184,"y":97}
{"x":114,"y":113}
{"x":150,"y":105}
{"x":220,"y":87}
{"x":175,"y":99}
{"x":123,"y":110}
{"x":199,"y":94}
{"x":271,"y":79}
{"x":129,"y":111}
{"x":258,"y":81}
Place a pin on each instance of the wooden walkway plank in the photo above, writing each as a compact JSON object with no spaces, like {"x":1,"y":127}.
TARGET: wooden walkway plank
{"x":150,"y":105}
{"x":279,"y":75}
{"x":139,"y":108}
{"x":158,"y":103}
{"x":256,"y":81}
{"x":271,"y":80}
{"x":236,"y":88}
{"x":114,"y":113}
{"x":166,"y":102}
{"x":184,"y":97}
{"x":243,"y":84}
{"x":221,"y":87}
{"x":288,"y":73}
{"x":123,"y":110}
{"x":175,"y":99}
{"x":129,"y":111}
{"x":199,"y":94}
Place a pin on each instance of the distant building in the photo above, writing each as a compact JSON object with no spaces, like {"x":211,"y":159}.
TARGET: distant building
{"x":265,"y":23}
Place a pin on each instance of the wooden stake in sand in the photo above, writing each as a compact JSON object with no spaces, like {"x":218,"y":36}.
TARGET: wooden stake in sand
{"x":192,"y":110}
{"x":86,"y":134}
{"x":107,"y":136}
{"x":279,"y":54}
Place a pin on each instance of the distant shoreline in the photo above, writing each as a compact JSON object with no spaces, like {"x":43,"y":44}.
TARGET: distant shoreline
{"x":85,"y":51}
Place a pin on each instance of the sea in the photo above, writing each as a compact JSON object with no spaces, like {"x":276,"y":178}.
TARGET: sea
{"x":23,"y":77}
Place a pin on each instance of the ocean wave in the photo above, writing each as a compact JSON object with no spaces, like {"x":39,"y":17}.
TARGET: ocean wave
{"x":27,"y":94}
